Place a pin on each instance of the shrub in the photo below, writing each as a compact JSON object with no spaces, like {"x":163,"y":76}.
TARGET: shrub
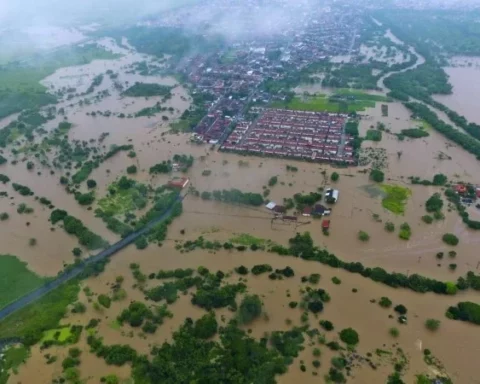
{"x":104,"y":300}
{"x":4,"y":216}
{"x":450,"y":239}
{"x":141,"y":242}
{"x":336,"y":280}
{"x":452,"y":267}
{"x":394,"y":332}
{"x":427,"y":219}
{"x":250,"y":309}
{"x":91,"y":183}
{"x":432,"y":324}
{"x":434,"y":203}
{"x":293,"y":304}
{"x":316,"y":363}
{"x":206,"y":327}
{"x":327,"y":325}
{"x":405,"y":231}
{"x":349,"y":336}
{"x":385,"y":302}
{"x":363,"y":236}
{"x":316,"y":352}
{"x":400,"y":309}
{"x":242,"y":270}
{"x":132,"y":169}
{"x":32,"y":242}
{"x":335,"y":176}
{"x":76,"y":252}
{"x":377,"y":175}
{"x":389,"y":226}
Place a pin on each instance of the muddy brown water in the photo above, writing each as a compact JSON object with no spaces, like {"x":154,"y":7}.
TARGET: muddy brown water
{"x":465,"y":79}
{"x":346,"y":309}
{"x":352,"y":213}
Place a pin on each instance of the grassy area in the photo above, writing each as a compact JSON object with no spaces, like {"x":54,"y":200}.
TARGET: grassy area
{"x":12,"y":359}
{"x":422,"y":124}
{"x":247,"y":240}
{"x":396,"y":198}
{"x":115,"y":325}
{"x":324,"y":103}
{"x":360,"y":95}
{"x":32,"y":321}
{"x":16,"y":279}
{"x":64,"y":334}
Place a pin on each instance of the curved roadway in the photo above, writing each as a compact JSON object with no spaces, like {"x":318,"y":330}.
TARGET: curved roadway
{"x":64,"y":277}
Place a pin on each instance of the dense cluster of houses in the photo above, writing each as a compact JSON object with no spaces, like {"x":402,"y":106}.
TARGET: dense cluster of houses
{"x":314,"y":136}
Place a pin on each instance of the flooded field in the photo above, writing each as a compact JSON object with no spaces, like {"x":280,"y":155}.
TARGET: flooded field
{"x":359,"y":208}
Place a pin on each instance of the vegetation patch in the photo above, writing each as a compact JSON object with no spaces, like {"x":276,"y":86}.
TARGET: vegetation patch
{"x":396,"y":198}
{"x":124,"y":196}
{"x":31,"y":322}
{"x":16,"y":279}
{"x":147,"y":90}
{"x":13,"y":357}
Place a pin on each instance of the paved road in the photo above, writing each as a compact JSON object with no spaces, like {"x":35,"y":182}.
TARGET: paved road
{"x":64,"y":277}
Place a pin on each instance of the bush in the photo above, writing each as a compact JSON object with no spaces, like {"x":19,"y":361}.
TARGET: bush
{"x":405,"y":232}
{"x":293,"y":304}
{"x":206,"y":327}
{"x":377,"y":175}
{"x":273,"y":181}
{"x":427,"y":219}
{"x":432,"y":324}
{"x":104,"y":300}
{"x":389,"y":226}
{"x":465,"y":311}
{"x":4,"y":216}
{"x":334,"y":176}
{"x":242,"y":270}
{"x":394,"y":332}
{"x":132,"y":169}
{"x":363,"y":236}
{"x":76,"y":252}
{"x":336,"y":280}
{"x":434,"y":203}
{"x":349,"y":336}
{"x":327,"y":325}
{"x":316,"y":352}
{"x":450,"y":239}
{"x":250,"y":309}
{"x":141,"y":242}
{"x":400,"y":309}
{"x":91,"y":183}
{"x":385,"y":302}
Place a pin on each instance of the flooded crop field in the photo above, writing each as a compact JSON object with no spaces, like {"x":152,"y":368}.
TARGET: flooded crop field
{"x":106,"y":161}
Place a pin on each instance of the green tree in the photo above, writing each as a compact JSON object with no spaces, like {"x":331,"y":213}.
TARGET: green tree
{"x":334,"y":176}
{"x":206,"y":327}
{"x":363,"y":236}
{"x":132,"y":169}
{"x":377,"y":175}
{"x":450,"y":239}
{"x":349,"y":336}
{"x":250,"y":308}
{"x":432,"y":324}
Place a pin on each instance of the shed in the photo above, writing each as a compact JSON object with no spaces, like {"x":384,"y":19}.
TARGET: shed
{"x":279,"y":209}
{"x":271,"y":205}
{"x":325,"y":224}
{"x":179,"y":182}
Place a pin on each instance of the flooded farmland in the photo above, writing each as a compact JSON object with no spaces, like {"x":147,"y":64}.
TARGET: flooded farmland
{"x":359,"y":208}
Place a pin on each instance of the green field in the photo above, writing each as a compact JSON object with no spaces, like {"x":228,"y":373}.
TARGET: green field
{"x":120,"y":201}
{"x":396,"y":198}
{"x":16,"y":279}
{"x":65,"y":333}
{"x":343,"y":101}
{"x":44,"y":314}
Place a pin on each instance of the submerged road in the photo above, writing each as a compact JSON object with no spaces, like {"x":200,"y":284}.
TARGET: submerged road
{"x":66,"y":276}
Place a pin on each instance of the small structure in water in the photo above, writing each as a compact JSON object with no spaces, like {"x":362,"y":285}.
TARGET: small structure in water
{"x":179,"y":182}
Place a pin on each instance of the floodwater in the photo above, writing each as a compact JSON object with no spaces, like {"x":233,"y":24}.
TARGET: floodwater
{"x":371,"y":321}
{"x":464,"y":77}
{"x":217,"y":221}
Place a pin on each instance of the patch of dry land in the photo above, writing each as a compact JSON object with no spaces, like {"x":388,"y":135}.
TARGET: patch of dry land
{"x":224,"y":292}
